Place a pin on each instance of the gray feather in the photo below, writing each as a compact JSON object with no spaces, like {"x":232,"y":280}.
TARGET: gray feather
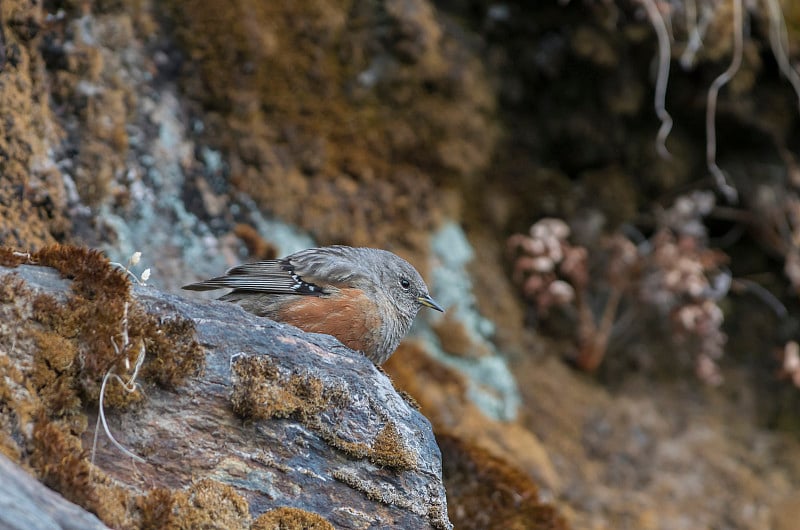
{"x":272,"y":276}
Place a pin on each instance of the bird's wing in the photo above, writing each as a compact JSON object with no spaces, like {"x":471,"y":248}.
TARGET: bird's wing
{"x":270,"y":276}
{"x":335,"y":266}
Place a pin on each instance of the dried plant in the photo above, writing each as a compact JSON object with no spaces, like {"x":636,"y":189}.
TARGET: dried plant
{"x":677,"y":283}
{"x":128,"y":386}
{"x":672,"y":275}
{"x":132,"y":262}
{"x":547,"y":266}
{"x":124,"y":350}
{"x":555,"y":273}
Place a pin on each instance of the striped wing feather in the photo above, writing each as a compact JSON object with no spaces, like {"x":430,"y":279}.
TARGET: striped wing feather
{"x":272,"y":276}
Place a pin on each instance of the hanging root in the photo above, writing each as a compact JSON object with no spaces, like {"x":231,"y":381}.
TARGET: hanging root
{"x":779,"y":42}
{"x":720,"y":180}
{"x":695,"y":40}
{"x":129,"y":386}
{"x":664,"y":50}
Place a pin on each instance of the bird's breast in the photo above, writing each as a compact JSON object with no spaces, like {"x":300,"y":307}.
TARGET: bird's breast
{"x":348,"y":314}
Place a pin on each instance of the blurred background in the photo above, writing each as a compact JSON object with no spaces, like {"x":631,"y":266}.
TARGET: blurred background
{"x":605,"y":194}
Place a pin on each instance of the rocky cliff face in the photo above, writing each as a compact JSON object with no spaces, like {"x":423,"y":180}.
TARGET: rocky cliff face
{"x":206,"y":134}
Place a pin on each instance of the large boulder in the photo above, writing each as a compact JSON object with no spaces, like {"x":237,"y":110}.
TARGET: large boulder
{"x":270,"y":418}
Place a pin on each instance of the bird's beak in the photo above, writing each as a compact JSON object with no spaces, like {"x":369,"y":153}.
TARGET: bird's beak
{"x":427,"y":301}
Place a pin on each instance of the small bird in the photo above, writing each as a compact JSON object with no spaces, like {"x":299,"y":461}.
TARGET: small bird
{"x":365,"y":297}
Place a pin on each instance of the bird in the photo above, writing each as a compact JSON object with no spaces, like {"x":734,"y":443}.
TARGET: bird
{"x":365,"y":297}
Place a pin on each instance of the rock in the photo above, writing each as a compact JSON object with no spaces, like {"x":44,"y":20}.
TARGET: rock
{"x":284,"y":418}
{"x":26,"y":504}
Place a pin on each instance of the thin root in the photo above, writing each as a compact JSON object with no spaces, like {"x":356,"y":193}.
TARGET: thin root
{"x":664,"y":49}
{"x":720,"y":180}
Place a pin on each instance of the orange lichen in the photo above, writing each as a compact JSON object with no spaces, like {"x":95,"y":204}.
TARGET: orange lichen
{"x":96,"y":316}
{"x":91,"y":328}
{"x":285,"y":518}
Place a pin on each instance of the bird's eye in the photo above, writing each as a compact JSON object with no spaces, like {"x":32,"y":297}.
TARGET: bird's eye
{"x":405,"y":284}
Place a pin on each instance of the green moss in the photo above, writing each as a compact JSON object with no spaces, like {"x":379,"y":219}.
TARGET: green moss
{"x":389,"y":450}
{"x":261,"y":392}
{"x":32,"y":202}
{"x":52,"y":374}
{"x":352,"y":161}
{"x":173,"y":353}
{"x":206,"y":504}
{"x":12,"y":258}
{"x":485,"y":492}
{"x":285,"y":518}
{"x":72,"y":344}
{"x":60,"y":461}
